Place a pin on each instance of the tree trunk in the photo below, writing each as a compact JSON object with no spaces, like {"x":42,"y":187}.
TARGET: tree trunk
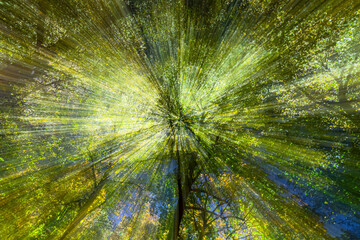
{"x":184,"y":183}
{"x":40,"y":29}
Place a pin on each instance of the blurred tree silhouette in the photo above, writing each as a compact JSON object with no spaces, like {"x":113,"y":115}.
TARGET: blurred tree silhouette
{"x":214,"y":119}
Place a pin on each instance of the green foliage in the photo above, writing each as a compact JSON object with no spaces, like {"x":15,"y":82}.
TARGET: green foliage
{"x":215,"y":119}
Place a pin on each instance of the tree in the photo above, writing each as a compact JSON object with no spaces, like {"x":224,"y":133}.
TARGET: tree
{"x":210,"y":119}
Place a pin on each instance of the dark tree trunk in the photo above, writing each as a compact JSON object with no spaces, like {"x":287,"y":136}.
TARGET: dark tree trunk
{"x":40,"y":29}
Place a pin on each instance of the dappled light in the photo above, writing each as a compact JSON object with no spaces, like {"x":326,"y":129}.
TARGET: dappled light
{"x":179,"y":119}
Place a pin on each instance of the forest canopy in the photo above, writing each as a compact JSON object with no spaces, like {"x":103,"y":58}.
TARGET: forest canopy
{"x":179,"y":119}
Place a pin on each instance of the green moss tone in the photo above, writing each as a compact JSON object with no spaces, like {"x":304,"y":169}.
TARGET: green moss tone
{"x":179,"y":119}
